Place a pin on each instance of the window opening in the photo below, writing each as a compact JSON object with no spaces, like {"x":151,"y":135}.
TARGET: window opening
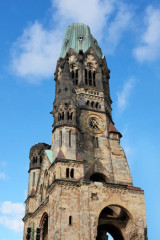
{"x":62,"y":116}
{"x":60,"y":139}
{"x":97,"y":105}
{"x":86,"y":80}
{"x":94,"y":81}
{"x":67,"y":172}
{"x":90,"y":78}
{"x":92,"y":104}
{"x":34,"y":160}
{"x":69,"y":115}
{"x":40,"y":159}
{"x":72,"y":173}
{"x":72,"y":74}
{"x":70,"y":220}
{"x":69,"y":138}
{"x":76,"y":80}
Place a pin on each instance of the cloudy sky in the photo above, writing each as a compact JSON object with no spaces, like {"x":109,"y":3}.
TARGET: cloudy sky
{"x":30,"y":41}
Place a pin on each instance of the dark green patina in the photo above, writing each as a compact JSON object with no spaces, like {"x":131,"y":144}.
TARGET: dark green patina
{"x":78,"y":37}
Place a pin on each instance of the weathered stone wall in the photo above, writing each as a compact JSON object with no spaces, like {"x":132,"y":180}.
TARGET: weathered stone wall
{"x":85,"y":203}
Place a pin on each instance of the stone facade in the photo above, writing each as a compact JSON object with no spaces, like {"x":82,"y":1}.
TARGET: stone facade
{"x":81,"y":187}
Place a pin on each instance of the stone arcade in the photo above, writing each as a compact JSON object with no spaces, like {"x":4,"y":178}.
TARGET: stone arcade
{"x":80,"y":187}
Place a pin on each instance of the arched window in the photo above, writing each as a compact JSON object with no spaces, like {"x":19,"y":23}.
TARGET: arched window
{"x":69,"y":115}
{"x":72,"y":173}
{"x":74,"y":75}
{"x":90,"y":78}
{"x":67,"y":172}
{"x":92,"y":104}
{"x":62,"y":115}
{"x":44,"y":227}
{"x":97,"y":105}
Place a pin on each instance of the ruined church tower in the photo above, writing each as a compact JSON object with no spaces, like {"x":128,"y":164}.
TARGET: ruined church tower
{"x":80,"y":187}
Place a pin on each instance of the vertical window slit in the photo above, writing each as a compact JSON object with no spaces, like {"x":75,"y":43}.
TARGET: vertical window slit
{"x":60,"y":143}
{"x":67,"y":172}
{"x":94,"y":81}
{"x":69,"y":138}
{"x":72,"y":74}
{"x":76,"y":80}
{"x":72,"y":173}
{"x":70,"y":220}
{"x":86,"y":77}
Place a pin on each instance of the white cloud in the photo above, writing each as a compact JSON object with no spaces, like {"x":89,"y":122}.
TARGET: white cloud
{"x":91,"y":12}
{"x":123,"y":95}
{"x":149,"y":48}
{"x":117,"y":27}
{"x":11,"y":215}
{"x":35,"y":53}
{"x":2,"y":175}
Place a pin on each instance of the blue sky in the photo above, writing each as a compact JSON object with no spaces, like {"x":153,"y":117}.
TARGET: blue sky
{"x":30,"y":40}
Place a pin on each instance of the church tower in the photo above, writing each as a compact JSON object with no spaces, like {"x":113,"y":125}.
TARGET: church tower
{"x":80,"y":186}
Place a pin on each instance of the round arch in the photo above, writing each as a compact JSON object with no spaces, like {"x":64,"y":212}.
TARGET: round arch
{"x":98,"y":177}
{"x":113,"y":219}
{"x":44,"y":226}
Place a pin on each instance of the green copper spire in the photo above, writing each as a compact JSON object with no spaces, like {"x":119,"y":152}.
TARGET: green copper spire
{"x":78,"y":37}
